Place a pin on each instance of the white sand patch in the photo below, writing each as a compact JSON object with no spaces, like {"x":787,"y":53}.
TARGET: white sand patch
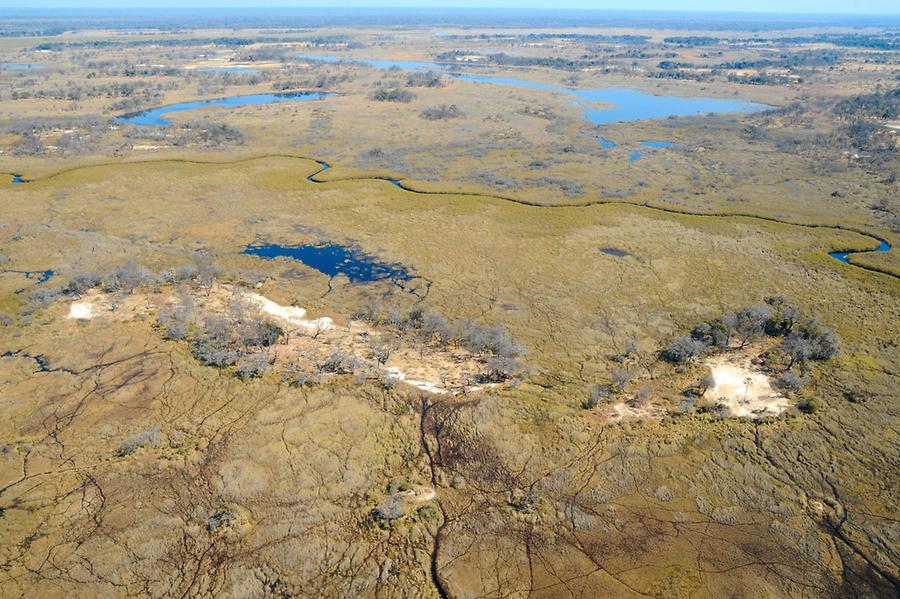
{"x":290,"y":314}
{"x":625,"y":410}
{"x":398,"y":375}
{"x":95,"y":304}
{"x":81,"y":311}
{"x":746,"y":392}
{"x":224,"y":63}
{"x":419,"y":494}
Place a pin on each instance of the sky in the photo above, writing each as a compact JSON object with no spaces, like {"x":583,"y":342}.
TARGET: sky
{"x":764,"y":6}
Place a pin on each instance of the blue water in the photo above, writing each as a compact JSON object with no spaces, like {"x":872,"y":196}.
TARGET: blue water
{"x":637,"y":155}
{"x":406,"y":65}
{"x":17,"y":179}
{"x":21,"y":67}
{"x":154,"y":116}
{"x":39,"y":276}
{"x":627,"y":104}
{"x":884,"y":246}
{"x":606,"y":144}
{"x":325,"y":167}
{"x":334,"y":259}
{"x":633,"y":105}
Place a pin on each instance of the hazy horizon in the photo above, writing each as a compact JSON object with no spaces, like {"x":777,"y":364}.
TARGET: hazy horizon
{"x":762,"y":7}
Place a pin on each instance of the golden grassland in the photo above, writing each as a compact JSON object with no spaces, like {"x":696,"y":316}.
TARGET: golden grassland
{"x":263,"y":488}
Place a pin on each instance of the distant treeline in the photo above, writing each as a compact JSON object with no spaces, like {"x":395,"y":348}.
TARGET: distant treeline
{"x":792,"y":61}
{"x":18,"y":30}
{"x":553,"y":62}
{"x":538,"y":37}
{"x":786,"y":60}
{"x":235,"y":42}
{"x":877,"y":41}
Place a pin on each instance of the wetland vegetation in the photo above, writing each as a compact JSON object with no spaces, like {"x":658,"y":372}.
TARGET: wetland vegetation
{"x":541,"y":305}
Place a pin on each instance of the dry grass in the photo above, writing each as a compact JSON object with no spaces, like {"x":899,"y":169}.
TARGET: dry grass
{"x":256,"y":487}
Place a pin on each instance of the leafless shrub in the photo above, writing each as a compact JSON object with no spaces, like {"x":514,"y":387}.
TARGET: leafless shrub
{"x":127,"y":277}
{"x":395,"y":94}
{"x":598,"y":393}
{"x":81,"y":282}
{"x":252,"y":366}
{"x":131,"y":444}
{"x":424,"y":79}
{"x":791,"y":381}
{"x":443,"y":112}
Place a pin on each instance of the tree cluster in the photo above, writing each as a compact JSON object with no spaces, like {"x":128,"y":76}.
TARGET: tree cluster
{"x":802,"y":338}
{"x":505,"y":355}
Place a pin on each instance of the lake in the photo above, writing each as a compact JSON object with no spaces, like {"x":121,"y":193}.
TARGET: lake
{"x":21,"y":67}
{"x":154,"y":116}
{"x":626,"y":104}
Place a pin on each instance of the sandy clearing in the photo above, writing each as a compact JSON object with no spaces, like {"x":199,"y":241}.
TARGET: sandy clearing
{"x":746,"y":391}
{"x":628,"y":410}
{"x":290,"y":314}
{"x":398,"y":375}
{"x":224,"y":62}
{"x":419,"y":494}
{"x":81,"y":311}
{"x":312,"y":341}
{"x":95,"y":304}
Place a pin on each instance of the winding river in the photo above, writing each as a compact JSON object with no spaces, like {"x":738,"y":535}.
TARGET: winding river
{"x":842,"y":256}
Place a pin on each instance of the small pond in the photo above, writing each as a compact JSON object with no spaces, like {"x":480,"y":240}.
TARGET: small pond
{"x":39,"y":276}
{"x":615,"y":252}
{"x":334,"y":259}
{"x":657,"y":144}
{"x":637,"y":155}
